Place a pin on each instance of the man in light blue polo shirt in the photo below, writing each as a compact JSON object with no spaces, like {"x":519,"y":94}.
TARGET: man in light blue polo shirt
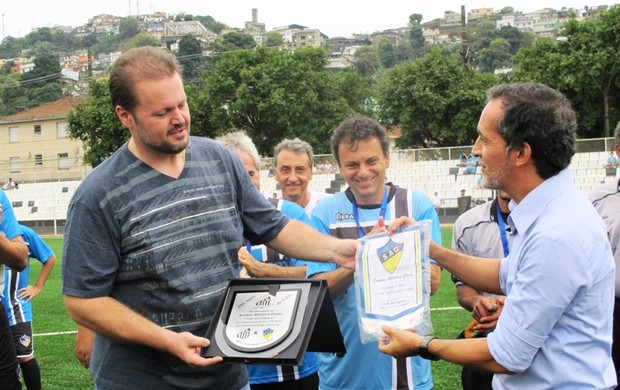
{"x":555,"y":330}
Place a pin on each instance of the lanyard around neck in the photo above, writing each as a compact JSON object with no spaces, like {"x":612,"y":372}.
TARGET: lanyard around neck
{"x":502,"y":230}
{"x":384,"y":202}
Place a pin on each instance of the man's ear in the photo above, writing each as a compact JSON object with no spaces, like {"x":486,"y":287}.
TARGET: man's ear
{"x":524,"y":154}
{"x":124,"y":116}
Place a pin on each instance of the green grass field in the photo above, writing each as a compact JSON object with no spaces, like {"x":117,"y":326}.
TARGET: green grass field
{"x":55,"y":332}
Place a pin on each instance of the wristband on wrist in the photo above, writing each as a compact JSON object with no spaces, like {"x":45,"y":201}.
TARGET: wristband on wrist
{"x":423,"y":348}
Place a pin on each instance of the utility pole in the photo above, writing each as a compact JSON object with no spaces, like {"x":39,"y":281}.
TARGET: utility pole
{"x":464,"y":47}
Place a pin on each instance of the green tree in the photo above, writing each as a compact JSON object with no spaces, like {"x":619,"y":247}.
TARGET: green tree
{"x":46,"y":70}
{"x":584,"y":65}
{"x":357,"y":91}
{"x":211,"y":23}
{"x":127,"y":28}
{"x":38,"y":35}
{"x":13,"y":96}
{"x":496,"y":56}
{"x":11,"y":47}
{"x":141,"y":39}
{"x":387,"y":53}
{"x":273,"y":39}
{"x":233,"y":41}
{"x":367,"y":61}
{"x":106,"y":44}
{"x":434,"y":101}
{"x":272,"y":95}
{"x":415,"y":19}
{"x":190,"y":56}
{"x":44,"y":94}
{"x":96,"y":125}
{"x":89,"y":40}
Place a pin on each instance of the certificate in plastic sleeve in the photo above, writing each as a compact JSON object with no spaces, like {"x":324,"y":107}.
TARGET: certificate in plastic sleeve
{"x":392,"y":282}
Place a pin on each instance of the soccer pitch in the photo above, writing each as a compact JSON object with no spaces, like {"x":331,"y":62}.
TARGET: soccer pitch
{"x":55,"y":332}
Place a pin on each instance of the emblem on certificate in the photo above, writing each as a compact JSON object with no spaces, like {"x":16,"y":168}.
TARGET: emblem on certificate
{"x":392,"y":281}
{"x":273,"y":321}
{"x":259,"y":320}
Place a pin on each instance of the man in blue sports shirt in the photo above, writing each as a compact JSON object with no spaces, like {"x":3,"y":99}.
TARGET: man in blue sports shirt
{"x":263,"y":262}
{"x":361,"y":148}
{"x":17,"y":300}
{"x":13,"y":253}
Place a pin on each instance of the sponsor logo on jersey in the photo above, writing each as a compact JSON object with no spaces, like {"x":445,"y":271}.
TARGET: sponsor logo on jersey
{"x":344,"y":216}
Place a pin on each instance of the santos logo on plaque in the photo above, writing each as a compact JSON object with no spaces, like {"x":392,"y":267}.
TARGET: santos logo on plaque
{"x":273,"y":321}
{"x":259,"y":320}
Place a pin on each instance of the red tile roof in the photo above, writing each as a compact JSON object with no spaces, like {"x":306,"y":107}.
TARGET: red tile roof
{"x":55,"y":109}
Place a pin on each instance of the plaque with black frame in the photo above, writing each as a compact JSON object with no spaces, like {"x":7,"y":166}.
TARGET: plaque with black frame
{"x":274,"y":321}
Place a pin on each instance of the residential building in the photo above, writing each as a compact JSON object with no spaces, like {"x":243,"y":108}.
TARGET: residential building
{"x":174,"y":31}
{"x":34,"y":145}
{"x":254,"y":28}
{"x":479,"y":13}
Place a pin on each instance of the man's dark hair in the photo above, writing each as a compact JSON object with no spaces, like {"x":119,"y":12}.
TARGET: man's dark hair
{"x":358,"y":128}
{"x":140,"y":63}
{"x":541,"y":117}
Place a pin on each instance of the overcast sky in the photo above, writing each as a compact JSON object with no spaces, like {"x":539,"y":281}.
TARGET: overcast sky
{"x":332,"y":17}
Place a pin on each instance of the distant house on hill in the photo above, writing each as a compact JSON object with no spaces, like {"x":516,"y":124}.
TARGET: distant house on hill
{"x":34,"y":145}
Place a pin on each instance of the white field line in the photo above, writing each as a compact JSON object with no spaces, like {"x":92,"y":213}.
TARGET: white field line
{"x":75,"y":331}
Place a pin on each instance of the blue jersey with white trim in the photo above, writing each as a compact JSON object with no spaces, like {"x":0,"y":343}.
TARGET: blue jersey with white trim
{"x":269,"y":373}
{"x":363,"y":366}
{"x":20,"y":310}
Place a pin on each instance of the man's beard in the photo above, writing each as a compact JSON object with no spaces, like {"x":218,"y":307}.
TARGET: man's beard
{"x":164,"y":147}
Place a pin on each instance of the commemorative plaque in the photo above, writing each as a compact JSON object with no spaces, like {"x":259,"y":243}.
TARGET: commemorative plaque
{"x":263,"y":320}
{"x":259,"y":320}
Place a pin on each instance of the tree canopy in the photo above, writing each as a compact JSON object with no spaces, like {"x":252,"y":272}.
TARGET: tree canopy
{"x":434,"y":101}
{"x":272,"y":95}
{"x":96,"y":125}
{"x":583,"y":64}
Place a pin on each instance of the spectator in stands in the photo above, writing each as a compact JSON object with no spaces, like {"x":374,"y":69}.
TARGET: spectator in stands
{"x":463,"y":159}
{"x":256,"y":261}
{"x":471,"y":165}
{"x":17,"y":300}
{"x":361,"y":149}
{"x":9,"y":185}
{"x":463,"y":202}
{"x":612,"y":160}
{"x":152,"y":235}
{"x":481,"y":231}
{"x":13,"y":253}
{"x":555,"y":329}
{"x":606,"y":200}
{"x":437,"y":201}
{"x":293,"y":159}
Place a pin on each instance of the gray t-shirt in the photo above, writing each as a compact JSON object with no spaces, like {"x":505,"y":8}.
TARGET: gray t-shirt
{"x":606,"y":201}
{"x":166,"y":248}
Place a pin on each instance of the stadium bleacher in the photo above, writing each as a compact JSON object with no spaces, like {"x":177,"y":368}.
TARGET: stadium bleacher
{"x":43,"y":205}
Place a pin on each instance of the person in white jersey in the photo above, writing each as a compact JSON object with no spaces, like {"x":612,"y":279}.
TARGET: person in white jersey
{"x":294,"y":159}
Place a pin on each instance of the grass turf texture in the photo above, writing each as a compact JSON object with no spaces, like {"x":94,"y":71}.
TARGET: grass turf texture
{"x":60,"y":369}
